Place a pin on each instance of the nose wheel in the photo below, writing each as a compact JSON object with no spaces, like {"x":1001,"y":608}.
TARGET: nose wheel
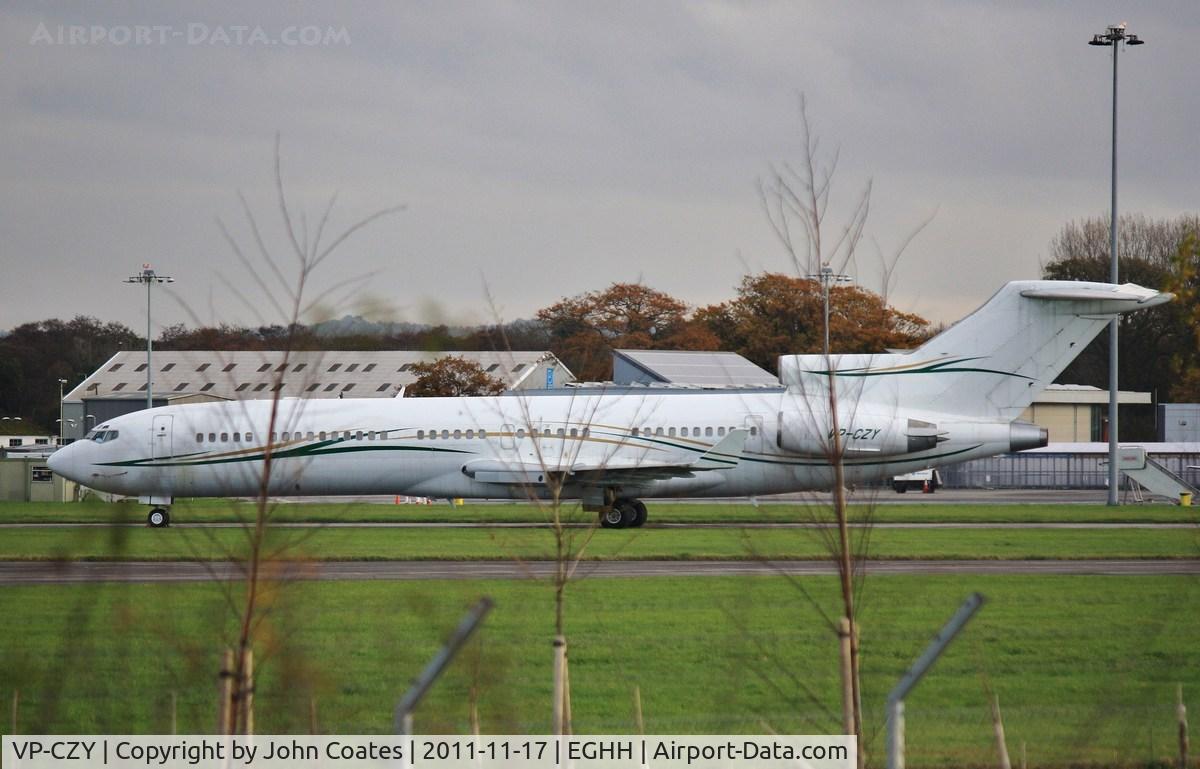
{"x":624,"y":514}
{"x":158,"y":518}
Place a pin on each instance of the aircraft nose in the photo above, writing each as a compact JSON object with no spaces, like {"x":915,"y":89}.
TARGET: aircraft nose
{"x":60,"y":462}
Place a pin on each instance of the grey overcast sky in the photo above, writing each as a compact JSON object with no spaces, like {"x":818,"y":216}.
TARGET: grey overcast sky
{"x":545,"y":149}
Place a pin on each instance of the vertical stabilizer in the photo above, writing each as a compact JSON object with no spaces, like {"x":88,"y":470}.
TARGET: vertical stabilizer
{"x":994,"y":362}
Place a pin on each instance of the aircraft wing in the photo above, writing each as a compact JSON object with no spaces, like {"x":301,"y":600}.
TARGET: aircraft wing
{"x":614,"y":470}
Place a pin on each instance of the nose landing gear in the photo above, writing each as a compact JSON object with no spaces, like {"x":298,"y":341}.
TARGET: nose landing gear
{"x":624,"y":513}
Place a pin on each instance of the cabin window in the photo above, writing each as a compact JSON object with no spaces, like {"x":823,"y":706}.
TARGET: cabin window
{"x":199,"y":437}
{"x":695,"y":432}
{"x":633,"y":431}
{"x":754,"y":431}
{"x":708,"y":432}
{"x":546,"y":432}
{"x":671,"y":432}
{"x":287,"y":436}
{"x":237,"y":437}
{"x":470,"y":434}
{"x":224,"y":437}
{"x":310,"y":435}
{"x":445,"y":434}
{"x":274,"y":437}
{"x":249,"y":437}
{"x":658,"y":431}
{"x":720,"y":431}
{"x":322,"y":434}
{"x":483,"y":433}
{"x":560,"y":432}
{"x":520,"y":432}
{"x":457,"y":434}
{"x":358,"y":435}
{"x":383,"y":435}
{"x":683,"y":431}
{"x":370,"y":435}
{"x":574,"y":433}
{"x":586,"y":432}
{"x":212,"y":437}
{"x":420,"y":435}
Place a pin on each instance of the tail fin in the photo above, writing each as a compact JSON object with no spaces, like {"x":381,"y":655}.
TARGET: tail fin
{"x":994,"y":362}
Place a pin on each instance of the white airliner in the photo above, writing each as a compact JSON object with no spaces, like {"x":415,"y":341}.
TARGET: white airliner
{"x":955,"y":398}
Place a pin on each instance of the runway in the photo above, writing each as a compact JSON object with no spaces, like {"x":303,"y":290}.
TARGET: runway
{"x":533,"y":525}
{"x":14,"y":573}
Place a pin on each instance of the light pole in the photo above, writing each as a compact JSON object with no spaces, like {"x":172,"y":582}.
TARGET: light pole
{"x":828,"y":277}
{"x":149,"y":277}
{"x":61,"y":424}
{"x":1113,"y":37}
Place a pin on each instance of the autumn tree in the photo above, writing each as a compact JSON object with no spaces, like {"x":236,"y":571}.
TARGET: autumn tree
{"x":1152,"y":253}
{"x":585,"y":329}
{"x":452,"y":376}
{"x":775,"y":314}
{"x":1184,"y":282}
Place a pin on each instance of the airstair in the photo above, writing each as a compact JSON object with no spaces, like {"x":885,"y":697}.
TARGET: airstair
{"x":1150,"y":475}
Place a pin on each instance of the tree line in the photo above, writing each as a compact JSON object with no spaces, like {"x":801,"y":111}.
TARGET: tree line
{"x":770,"y":314}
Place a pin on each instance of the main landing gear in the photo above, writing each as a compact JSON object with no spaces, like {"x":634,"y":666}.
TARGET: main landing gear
{"x":624,"y":513}
{"x":158,"y":518}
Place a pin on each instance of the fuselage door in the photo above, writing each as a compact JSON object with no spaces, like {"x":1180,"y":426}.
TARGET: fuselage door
{"x":160,"y":437}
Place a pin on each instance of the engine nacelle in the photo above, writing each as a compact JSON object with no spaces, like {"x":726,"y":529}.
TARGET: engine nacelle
{"x":813,"y":435}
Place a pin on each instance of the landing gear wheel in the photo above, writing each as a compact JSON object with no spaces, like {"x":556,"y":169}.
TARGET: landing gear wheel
{"x":612,"y":518}
{"x":639,"y":509}
{"x":158,"y":518}
{"x":629,"y":514}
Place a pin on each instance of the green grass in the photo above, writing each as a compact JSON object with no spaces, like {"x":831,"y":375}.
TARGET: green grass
{"x":218,"y":510}
{"x":1085,"y":667}
{"x":326,"y":543}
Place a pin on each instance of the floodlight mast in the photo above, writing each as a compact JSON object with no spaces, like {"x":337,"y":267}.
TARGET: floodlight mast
{"x":1115,"y":35}
{"x":149,"y":277}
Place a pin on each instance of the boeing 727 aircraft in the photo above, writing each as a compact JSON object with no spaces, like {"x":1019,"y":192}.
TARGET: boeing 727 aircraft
{"x":957,"y":397}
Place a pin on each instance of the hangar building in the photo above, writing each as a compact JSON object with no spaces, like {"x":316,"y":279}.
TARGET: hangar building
{"x":199,"y":376}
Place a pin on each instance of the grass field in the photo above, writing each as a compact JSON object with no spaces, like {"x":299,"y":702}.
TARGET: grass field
{"x":324,"y":543}
{"x":1085,"y":667}
{"x":215,"y":511}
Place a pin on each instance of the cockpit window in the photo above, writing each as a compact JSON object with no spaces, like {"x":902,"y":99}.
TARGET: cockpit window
{"x":102,"y":435}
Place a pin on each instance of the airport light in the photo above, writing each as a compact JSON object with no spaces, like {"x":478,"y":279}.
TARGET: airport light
{"x":61,"y":424}
{"x":828,"y":277}
{"x":1112,"y":38}
{"x":149,"y":277}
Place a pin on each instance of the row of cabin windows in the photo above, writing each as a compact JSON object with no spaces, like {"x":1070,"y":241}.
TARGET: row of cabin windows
{"x":468,"y":434}
{"x":298,"y":435}
{"x":684,"y":432}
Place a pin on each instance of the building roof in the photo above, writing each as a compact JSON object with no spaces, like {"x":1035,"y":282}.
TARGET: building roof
{"x":1073,"y":393}
{"x":705,"y":369}
{"x":309,"y":374}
